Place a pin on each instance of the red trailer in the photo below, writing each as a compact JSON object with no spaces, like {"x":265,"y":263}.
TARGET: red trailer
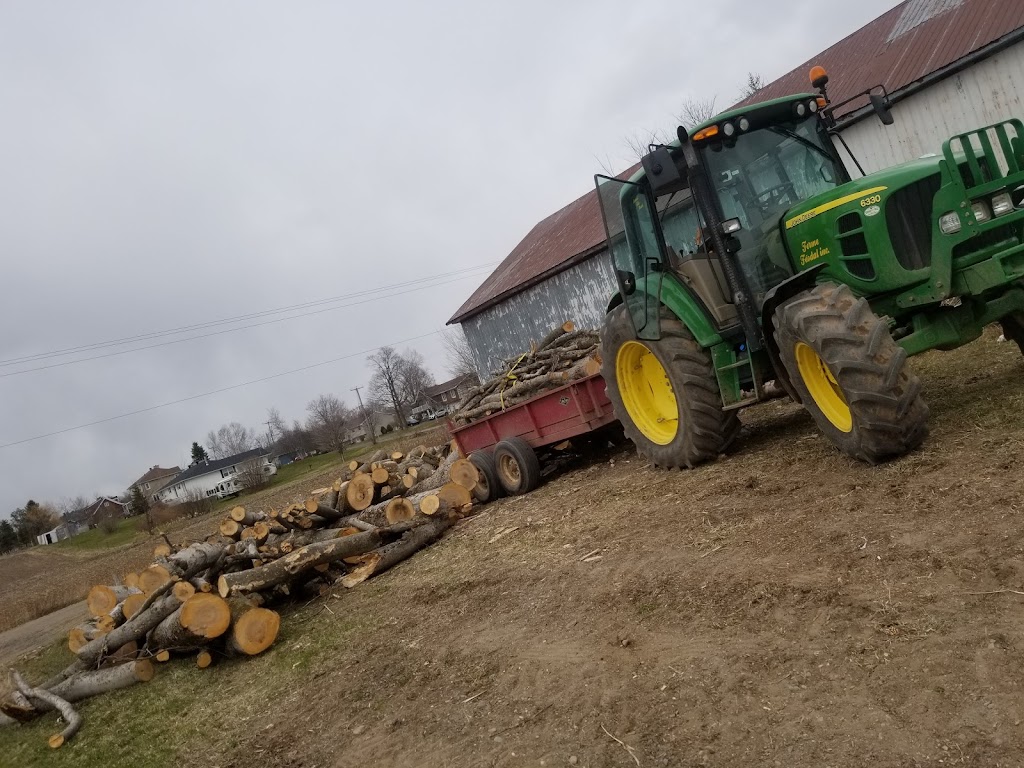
{"x":504,"y":445}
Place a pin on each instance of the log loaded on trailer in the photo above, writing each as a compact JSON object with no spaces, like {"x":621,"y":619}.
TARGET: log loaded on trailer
{"x":504,"y":426}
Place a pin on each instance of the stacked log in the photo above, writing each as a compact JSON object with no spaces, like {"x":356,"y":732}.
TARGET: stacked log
{"x":564,"y":355}
{"x":211,"y":598}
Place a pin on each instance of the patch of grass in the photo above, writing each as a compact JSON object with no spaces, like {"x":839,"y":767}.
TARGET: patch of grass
{"x":125,"y":533}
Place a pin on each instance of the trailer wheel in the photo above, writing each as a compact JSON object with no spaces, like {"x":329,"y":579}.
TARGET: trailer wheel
{"x":518,"y":468}
{"x":487,"y":486}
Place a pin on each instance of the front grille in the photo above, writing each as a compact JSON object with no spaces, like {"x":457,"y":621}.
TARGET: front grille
{"x":908,"y":214}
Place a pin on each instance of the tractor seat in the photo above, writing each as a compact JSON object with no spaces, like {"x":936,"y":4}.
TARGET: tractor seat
{"x":702,"y":272}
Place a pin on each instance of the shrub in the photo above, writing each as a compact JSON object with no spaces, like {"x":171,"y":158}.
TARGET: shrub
{"x":108,"y":524}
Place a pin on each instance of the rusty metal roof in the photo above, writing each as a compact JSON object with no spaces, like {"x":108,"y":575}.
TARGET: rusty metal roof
{"x":900,"y":49}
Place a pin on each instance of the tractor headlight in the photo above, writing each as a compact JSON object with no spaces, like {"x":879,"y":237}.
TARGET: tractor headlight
{"x":1002,"y":204}
{"x":744,"y":124}
{"x":728,"y":129}
{"x":730,"y":226}
{"x":949,"y":223}
{"x":812,"y":105}
{"x":800,"y":109}
{"x":981,"y":212}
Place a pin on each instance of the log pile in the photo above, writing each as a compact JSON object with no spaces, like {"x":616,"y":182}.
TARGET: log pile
{"x":565,"y":354}
{"x":215,"y":598}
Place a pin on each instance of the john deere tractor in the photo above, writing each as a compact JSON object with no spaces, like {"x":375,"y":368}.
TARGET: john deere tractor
{"x":751,"y":264}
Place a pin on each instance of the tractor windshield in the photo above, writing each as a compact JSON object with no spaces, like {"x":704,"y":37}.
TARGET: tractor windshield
{"x":760,"y":176}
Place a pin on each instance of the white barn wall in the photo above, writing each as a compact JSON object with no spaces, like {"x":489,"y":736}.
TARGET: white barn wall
{"x":505,"y":330}
{"x":983,"y":94}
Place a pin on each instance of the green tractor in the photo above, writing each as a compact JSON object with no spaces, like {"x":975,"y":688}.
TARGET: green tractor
{"x":750,"y":264}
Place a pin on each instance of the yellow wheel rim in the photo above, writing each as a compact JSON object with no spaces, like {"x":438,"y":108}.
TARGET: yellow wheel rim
{"x":647,"y":393}
{"x":823,"y":387}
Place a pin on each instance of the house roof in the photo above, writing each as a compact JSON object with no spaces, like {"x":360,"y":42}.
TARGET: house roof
{"x":206,"y":467}
{"x":916,"y":40}
{"x":86,"y":513}
{"x":156,"y":473}
{"x":444,"y":386}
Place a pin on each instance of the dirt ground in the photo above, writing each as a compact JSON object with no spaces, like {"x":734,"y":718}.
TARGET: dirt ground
{"x":784,"y":606}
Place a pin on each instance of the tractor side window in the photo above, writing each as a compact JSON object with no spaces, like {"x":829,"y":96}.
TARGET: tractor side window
{"x":680,"y":223}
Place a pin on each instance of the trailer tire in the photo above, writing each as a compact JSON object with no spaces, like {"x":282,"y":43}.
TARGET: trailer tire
{"x":671,"y":387}
{"x":517,"y":466}
{"x":487,"y":488}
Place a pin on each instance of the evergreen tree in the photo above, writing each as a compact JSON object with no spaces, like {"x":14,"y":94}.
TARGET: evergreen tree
{"x":199,"y":453}
{"x":8,"y":537}
{"x":138,"y":504}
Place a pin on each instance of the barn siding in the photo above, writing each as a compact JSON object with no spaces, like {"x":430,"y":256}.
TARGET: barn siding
{"x":580,"y":294}
{"x":980,"y":95}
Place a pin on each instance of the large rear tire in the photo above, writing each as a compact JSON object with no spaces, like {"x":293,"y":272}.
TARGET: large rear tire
{"x":665,"y":392}
{"x":1013,"y":329}
{"x":850,"y":374}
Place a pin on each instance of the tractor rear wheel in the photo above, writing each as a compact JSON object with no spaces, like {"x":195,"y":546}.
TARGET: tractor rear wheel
{"x":850,"y":374}
{"x":665,"y":392}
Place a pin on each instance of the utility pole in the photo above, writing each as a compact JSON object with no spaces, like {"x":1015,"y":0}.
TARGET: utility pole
{"x":366,"y":421}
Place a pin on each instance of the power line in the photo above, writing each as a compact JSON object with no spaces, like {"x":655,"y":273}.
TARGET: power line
{"x":211,"y":392}
{"x":223,"y":321}
{"x":226,"y":330}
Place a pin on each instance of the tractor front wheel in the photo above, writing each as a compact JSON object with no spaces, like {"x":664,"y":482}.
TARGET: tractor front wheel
{"x":850,"y":374}
{"x":665,"y":392}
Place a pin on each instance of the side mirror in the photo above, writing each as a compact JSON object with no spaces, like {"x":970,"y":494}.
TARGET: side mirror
{"x":881,"y":107}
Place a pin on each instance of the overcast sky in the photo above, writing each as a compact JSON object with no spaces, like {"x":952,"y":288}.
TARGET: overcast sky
{"x":163,"y":165}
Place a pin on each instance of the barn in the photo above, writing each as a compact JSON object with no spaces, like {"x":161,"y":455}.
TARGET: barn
{"x":948,"y":66}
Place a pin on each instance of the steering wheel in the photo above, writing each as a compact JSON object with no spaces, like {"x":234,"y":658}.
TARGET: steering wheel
{"x":772,"y":194}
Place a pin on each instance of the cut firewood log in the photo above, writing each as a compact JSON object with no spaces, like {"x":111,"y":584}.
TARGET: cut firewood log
{"x":195,"y":558}
{"x":315,"y":507}
{"x":449,"y":498}
{"x":429,"y":504}
{"x":439,"y":477}
{"x":201,"y":618}
{"x":253,"y":629}
{"x":554,"y":333}
{"x":153,"y":577}
{"x":40,"y":695}
{"x":365,"y":466}
{"x":230,"y":528}
{"x":131,"y":605}
{"x":286,"y":568}
{"x":127,"y":652}
{"x":392,"y":554}
{"x":399,"y":509}
{"x":201,"y":584}
{"x":465,"y":473}
{"x":131,"y":579}
{"x":245,"y":516}
{"x":379,"y":475}
{"x":204,"y":659}
{"x":360,"y":491}
{"x":183,"y":590}
{"x":133,"y":629}
{"x":161,"y":550}
{"x":82,"y":634}
{"x":102,"y":599}
{"x":397,"y":455}
{"x":108,"y":622}
{"x":162,"y":656}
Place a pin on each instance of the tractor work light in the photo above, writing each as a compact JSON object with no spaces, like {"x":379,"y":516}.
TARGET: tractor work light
{"x":728,"y":129}
{"x":729,"y":226}
{"x":706,"y":133}
{"x":744,"y":124}
{"x":1002,"y":204}
{"x":800,"y":108}
{"x":981,"y":212}
{"x":949,"y":223}
{"x":812,"y":105}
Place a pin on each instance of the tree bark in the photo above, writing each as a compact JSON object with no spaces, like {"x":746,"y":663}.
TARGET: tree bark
{"x":392,"y":554}
{"x":133,"y":629}
{"x":198,"y":620}
{"x":70,"y":715}
{"x":253,"y":629}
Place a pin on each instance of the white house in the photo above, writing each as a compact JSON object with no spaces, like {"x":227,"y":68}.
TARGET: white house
{"x":203,"y":477}
{"x":154,"y":479}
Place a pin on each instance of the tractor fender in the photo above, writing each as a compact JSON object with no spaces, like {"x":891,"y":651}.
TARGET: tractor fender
{"x":684,"y":304}
{"x":777,"y":296}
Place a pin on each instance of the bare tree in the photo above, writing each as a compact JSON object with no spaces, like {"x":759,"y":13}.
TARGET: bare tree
{"x":414,"y":378}
{"x":390,"y":380}
{"x":639,"y":142}
{"x":275,"y":424}
{"x":251,"y":474}
{"x":458,"y":354}
{"x":230,"y":439}
{"x":196,"y":503}
{"x":753,"y":84}
{"x":327,"y":419}
{"x":696,"y":111}
{"x":73,"y":504}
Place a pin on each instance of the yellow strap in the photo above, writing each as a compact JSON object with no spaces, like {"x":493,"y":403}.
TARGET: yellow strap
{"x":510,"y":377}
